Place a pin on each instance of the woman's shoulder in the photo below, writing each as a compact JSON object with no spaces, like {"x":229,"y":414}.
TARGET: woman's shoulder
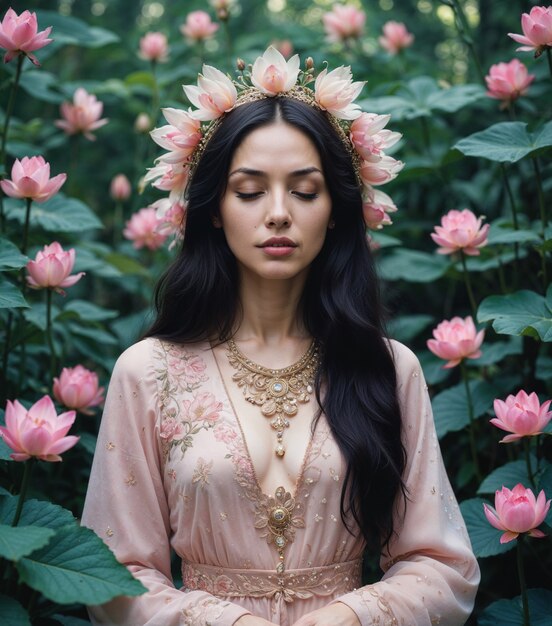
{"x":147,"y":351}
{"x":406,"y":361}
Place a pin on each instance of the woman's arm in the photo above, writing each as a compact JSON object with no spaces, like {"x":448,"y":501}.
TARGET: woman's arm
{"x":127,"y":507}
{"x":431,"y":574}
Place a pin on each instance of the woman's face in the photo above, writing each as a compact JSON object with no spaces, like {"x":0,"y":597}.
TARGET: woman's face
{"x":276,"y":209}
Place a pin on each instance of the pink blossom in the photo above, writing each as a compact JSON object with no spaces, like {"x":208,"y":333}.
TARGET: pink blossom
{"x":171,"y":429}
{"x":376,"y":208}
{"x":369,"y":138}
{"x":517,"y":511}
{"x":214,"y":95}
{"x":82,"y":115}
{"x":343,"y":22}
{"x":120,"y":188}
{"x":455,"y":340}
{"x":30,"y":178}
{"x":284,"y":47}
{"x":522,"y":414}
{"x":395,"y":37}
{"x":272,"y":74}
{"x":142,"y":230}
{"x":142,"y":123}
{"x":78,"y":388}
{"x":171,"y":216}
{"x":335,"y":91}
{"x":19,"y":35}
{"x":190,"y":369}
{"x":166,"y":177}
{"x":154,"y":47}
{"x":460,"y":230}
{"x":180,"y":136}
{"x":52,"y":268}
{"x":225,"y":433}
{"x":37,"y":432}
{"x":203,"y":408}
{"x":537,"y":30}
{"x":386,"y":169}
{"x":508,"y":81}
{"x":198,"y":26}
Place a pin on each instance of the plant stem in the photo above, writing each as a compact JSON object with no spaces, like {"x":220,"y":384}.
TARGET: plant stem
{"x":544,"y":219}
{"x":471,"y":429}
{"x":467,"y":280}
{"x":9,"y":108}
{"x":28,"y":202}
{"x":527,"y":451}
{"x":465,"y":30}
{"x":521,"y":575}
{"x":5,"y":357}
{"x":514,"y":218}
{"x":49,"y":333}
{"x":28,"y":466}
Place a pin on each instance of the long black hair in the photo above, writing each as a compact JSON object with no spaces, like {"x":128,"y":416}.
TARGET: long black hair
{"x":197,"y":299}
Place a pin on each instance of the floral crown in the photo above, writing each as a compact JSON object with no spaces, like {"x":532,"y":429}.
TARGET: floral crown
{"x":271,"y":76}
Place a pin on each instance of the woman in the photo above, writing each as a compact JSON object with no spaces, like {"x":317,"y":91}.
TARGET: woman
{"x":266,"y":429}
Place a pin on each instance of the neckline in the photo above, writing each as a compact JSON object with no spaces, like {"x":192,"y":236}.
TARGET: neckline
{"x":300,"y":477}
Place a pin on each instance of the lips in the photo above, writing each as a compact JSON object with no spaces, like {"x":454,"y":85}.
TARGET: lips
{"x":278,"y":242}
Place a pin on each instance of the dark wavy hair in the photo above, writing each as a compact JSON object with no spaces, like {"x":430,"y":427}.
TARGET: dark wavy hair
{"x":197,"y":299}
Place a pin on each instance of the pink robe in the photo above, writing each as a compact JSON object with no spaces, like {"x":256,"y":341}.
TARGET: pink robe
{"x":172,"y":469}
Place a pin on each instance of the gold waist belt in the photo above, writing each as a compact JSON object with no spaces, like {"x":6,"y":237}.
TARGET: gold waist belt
{"x":304,"y":583}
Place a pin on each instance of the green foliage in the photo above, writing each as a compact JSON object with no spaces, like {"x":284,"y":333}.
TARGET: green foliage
{"x":12,"y":613}
{"x":510,"y":612}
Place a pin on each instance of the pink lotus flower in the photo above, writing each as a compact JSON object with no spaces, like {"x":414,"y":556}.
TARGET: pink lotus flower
{"x":30,"y":178}
{"x":537,"y":30}
{"x":81,"y":116}
{"x":167,"y":177}
{"x":19,"y":35}
{"x":120,"y":188}
{"x":142,"y":230}
{"x":77,"y":388}
{"x":517,"y":511}
{"x":455,"y":340}
{"x":376,"y":209}
{"x":395,"y":37}
{"x":180,"y":136}
{"x":198,"y":26}
{"x":460,"y":230}
{"x":386,"y":169}
{"x":284,"y":47}
{"x":52,"y":267}
{"x":522,"y":415}
{"x":343,"y":22}
{"x":154,"y":47}
{"x":38,"y":432}
{"x":369,"y":138}
{"x":272,"y":74}
{"x":214,"y":95}
{"x":508,"y":81}
{"x":335,"y":91}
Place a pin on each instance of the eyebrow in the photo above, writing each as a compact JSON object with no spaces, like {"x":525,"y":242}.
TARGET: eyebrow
{"x":295,"y":174}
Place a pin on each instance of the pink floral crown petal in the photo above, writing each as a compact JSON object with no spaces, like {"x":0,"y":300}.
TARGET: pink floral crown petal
{"x":187,"y":133}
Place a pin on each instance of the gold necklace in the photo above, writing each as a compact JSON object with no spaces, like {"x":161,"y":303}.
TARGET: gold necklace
{"x":275,"y":391}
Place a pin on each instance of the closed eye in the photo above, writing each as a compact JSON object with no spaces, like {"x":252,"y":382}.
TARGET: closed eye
{"x":305,"y":196}
{"x":248,"y":196}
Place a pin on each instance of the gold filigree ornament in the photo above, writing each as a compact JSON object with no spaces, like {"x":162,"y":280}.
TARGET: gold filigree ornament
{"x":277,"y":391}
{"x":278,"y":516}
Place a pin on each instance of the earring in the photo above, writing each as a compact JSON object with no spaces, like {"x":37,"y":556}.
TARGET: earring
{"x":216,"y":222}
{"x":331,"y":224}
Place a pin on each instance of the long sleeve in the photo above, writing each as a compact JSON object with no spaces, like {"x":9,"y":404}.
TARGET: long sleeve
{"x":431,"y":574}
{"x":126,"y":505}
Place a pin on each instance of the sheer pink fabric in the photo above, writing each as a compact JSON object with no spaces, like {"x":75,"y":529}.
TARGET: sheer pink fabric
{"x":171,"y":469}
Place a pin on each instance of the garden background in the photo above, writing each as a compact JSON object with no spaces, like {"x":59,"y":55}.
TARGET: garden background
{"x":461,"y":149}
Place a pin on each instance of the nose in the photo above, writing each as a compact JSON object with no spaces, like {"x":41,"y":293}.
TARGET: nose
{"x":278,"y":214}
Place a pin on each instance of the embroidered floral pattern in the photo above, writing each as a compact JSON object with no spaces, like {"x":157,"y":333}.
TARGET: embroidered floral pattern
{"x":181,"y":372}
{"x":202,"y":472}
